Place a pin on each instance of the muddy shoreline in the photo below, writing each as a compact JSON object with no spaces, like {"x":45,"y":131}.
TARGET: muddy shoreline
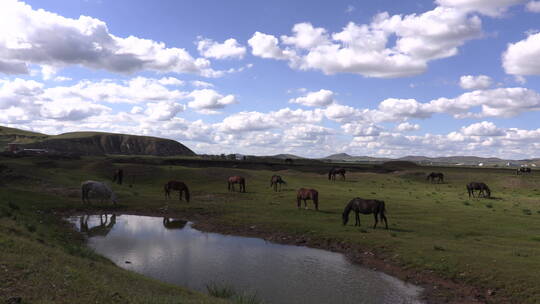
{"x":435,"y":288}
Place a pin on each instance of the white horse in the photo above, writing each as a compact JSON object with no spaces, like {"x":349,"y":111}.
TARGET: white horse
{"x":96,"y":190}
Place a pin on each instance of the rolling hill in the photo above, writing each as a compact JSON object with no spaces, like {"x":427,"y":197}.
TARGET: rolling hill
{"x":94,"y":143}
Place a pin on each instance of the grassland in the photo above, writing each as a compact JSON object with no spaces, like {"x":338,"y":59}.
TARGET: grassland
{"x":435,"y":229}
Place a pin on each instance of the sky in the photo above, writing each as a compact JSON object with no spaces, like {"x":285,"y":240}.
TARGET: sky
{"x":378,"y":78}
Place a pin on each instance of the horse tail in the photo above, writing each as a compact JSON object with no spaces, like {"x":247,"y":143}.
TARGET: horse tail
{"x":383,"y":208}
{"x":316,"y":200}
{"x":329,"y":174}
{"x":244,"y":184}
{"x":229,"y":185}
{"x":83,"y":194}
{"x":187,"y":194}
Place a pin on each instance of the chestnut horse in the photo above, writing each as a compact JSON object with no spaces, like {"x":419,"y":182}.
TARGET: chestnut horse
{"x":307,"y":194}
{"x":275,"y":180}
{"x":177,"y":186}
{"x":236,"y":180}
{"x":365,"y":206}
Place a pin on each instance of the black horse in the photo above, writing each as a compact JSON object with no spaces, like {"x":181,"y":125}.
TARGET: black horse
{"x":435,"y":176}
{"x":483,"y":189}
{"x":332,"y":173}
{"x":523,"y":170}
{"x":365,"y":206}
{"x":118,"y":176}
{"x":275,"y":180}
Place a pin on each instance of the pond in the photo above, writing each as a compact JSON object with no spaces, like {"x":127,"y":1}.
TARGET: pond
{"x":173,"y":251}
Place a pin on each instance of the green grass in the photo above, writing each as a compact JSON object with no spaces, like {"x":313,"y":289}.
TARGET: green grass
{"x":433,"y":227}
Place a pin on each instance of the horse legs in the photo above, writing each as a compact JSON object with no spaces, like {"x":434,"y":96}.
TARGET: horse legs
{"x":383,"y":218}
{"x":357,"y":218}
{"x":376,"y":220}
{"x":305,"y":204}
{"x":180,"y":194}
{"x":298,"y":203}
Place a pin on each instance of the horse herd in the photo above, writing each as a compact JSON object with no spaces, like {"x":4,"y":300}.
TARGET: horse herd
{"x":358,"y":205}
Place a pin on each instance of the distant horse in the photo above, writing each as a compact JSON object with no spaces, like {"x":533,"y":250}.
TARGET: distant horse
{"x":482,"y":188}
{"x":289,"y":161}
{"x":435,"y":175}
{"x":307,"y":194}
{"x":365,"y":206}
{"x":236,"y":180}
{"x":332,"y":173}
{"x":173,"y":223}
{"x":523,"y":170}
{"x":275,"y":180}
{"x":176,"y":186}
{"x":118,"y":176}
{"x":95,"y":189}
{"x":104,"y":227}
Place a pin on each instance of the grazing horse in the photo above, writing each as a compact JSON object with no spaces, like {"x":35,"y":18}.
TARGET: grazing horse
{"x":435,"y":175}
{"x":275,"y":180}
{"x":173,"y":223}
{"x":523,"y":170}
{"x":236,"y":180}
{"x":307,"y":194}
{"x":365,"y":206}
{"x":482,"y":188}
{"x":177,"y":186}
{"x":104,"y":227}
{"x":95,"y":189}
{"x":332,"y":173}
{"x":289,"y":161}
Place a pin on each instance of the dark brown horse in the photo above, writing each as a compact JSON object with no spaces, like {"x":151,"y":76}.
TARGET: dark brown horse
{"x":483,"y":189}
{"x":435,"y":176}
{"x":236,"y":180}
{"x":332,"y":173}
{"x":176,"y":186}
{"x":307,"y":194}
{"x":365,"y":206}
{"x":275,"y":180}
{"x":118,"y":176}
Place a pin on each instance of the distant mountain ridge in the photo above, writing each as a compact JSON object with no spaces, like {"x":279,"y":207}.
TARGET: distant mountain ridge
{"x":94,"y":143}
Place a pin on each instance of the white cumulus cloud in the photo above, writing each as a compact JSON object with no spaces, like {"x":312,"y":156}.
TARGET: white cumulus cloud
{"x":533,"y":6}
{"x":521,"y":58}
{"x":230,"y":48}
{"x":320,"y":98}
{"x":470,"y":82}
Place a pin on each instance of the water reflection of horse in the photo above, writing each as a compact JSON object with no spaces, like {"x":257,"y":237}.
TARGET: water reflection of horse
{"x":332,"y":173}
{"x":106,"y":223}
{"x":307,"y":194}
{"x":365,"y":206}
{"x":482,"y":188}
{"x":435,"y":175}
{"x":173,"y":223}
{"x":275,"y":180}
{"x":181,"y":187}
{"x":236,"y":180}
{"x":523,"y":170}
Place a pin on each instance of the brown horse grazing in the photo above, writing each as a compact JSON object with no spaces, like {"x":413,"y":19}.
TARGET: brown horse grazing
{"x":236,"y":180}
{"x":177,"y":186}
{"x":365,"y":206}
{"x":307,"y":194}
{"x":332,"y":173}
{"x":435,"y":175}
{"x":275,"y":180}
{"x":482,"y":188}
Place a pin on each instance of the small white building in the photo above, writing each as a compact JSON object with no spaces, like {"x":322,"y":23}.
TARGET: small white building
{"x":480,"y":164}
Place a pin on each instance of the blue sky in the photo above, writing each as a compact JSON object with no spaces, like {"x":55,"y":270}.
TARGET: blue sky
{"x":378,"y":78}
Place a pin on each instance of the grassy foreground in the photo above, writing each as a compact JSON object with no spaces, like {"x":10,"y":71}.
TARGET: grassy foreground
{"x":492,"y":244}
